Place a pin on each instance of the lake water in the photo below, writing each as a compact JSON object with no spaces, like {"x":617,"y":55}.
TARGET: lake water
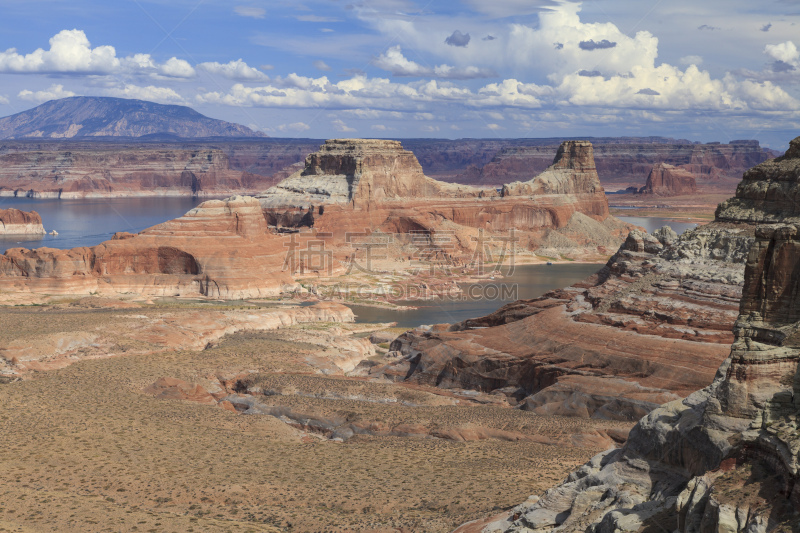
{"x":91,"y":221}
{"x":653,"y":223}
{"x":530,"y":281}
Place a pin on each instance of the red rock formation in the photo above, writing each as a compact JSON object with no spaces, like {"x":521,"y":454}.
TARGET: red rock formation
{"x":723,"y":459}
{"x":667,"y":180}
{"x":16,"y":222}
{"x":656,"y":318}
{"x":219,"y":249}
{"x":351,"y":186}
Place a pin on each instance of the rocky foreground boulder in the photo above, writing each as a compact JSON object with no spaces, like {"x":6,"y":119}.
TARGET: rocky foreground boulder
{"x":16,"y":222}
{"x":653,"y":325}
{"x":723,"y":459}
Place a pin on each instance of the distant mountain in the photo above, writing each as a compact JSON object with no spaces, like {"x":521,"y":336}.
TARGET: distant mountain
{"x":96,"y":116}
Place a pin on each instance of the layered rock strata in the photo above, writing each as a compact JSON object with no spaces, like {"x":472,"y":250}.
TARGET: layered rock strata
{"x":668,"y":180}
{"x":109,"y":171}
{"x":354,"y":185}
{"x":653,"y":324}
{"x":219,"y":249}
{"x":16,"y":222}
{"x":623,"y":162}
{"x":723,"y":459}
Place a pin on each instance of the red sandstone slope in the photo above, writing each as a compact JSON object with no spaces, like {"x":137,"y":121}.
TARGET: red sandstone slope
{"x":725,"y":458}
{"x":653,"y":324}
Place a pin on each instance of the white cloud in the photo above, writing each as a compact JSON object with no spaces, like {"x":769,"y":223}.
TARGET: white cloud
{"x":295,"y":126}
{"x":164,"y":95}
{"x":494,"y":127}
{"x":395,"y":62}
{"x":786,"y":52}
{"x":71,"y":52}
{"x":249,"y":11}
{"x":3,"y":99}
{"x":234,"y":70}
{"x":176,"y":68}
{"x":54,"y":92}
{"x":339,"y":125}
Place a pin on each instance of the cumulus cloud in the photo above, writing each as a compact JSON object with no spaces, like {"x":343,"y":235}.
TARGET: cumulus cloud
{"x":3,"y":100}
{"x":494,"y":127}
{"x":596,"y":45}
{"x":71,"y":52}
{"x":395,"y":62}
{"x":648,"y":91}
{"x":458,"y":39}
{"x":786,"y":52}
{"x":164,"y":95}
{"x":234,"y":70}
{"x":249,"y":11}
{"x":54,"y":92}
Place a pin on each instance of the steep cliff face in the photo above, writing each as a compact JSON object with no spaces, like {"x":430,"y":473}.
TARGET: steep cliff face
{"x":723,"y":459}
{"x":654,"y":323}
{"x":357,"y":171}
{"x":219,"y":249}
{"x":121,"y":172}
{"x":668,"y":180}
{"x":350,"y":185}
{"x":16,"y":222}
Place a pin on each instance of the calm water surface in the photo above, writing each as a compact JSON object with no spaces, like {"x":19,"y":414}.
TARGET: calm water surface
{"x":91,"y":221}
{"x":531,"y":281}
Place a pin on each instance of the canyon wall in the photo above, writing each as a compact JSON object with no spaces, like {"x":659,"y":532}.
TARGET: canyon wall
{"x":122,"y":172}
{"x":16,"y":222}
{"x":652,"y":325}
{"x":620,"y":165}
{"x":724,"y":459}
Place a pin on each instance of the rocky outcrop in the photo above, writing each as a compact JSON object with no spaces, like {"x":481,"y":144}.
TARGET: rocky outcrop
{"x":655,"y":319}
{"x":668,"y":180}
{"x":723,"y":459}
{"x":219,"y":249}
{"x":109,"y":171}
{"x":98,"y":116}
{"x":354,"y":185}
{"x":16,"y":222}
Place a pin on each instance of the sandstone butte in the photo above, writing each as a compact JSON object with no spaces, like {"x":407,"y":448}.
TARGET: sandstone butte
{"x":668,"y":180}
{"x":726,"y":458}
{"x":651,"y":326}
{"x":16,"y":222}
{"x":227,"y":249}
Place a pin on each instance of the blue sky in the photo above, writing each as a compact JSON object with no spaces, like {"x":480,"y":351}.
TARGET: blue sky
{"x":407,"y":68}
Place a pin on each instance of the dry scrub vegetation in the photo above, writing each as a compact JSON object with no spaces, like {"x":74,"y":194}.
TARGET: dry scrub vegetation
{"x":84,"y":449}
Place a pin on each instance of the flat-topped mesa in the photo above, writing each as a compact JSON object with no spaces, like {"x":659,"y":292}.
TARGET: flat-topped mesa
{"x":669,"y":180}
{"x":573,"y":172}
{"x":768,"y":193}
{"x":219,"y":249}
{"x":16,"y":222}
{"x":357,"y":171}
